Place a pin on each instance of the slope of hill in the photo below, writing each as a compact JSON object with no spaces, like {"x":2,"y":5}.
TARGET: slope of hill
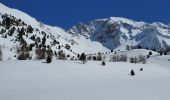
{"x":17,"y":28}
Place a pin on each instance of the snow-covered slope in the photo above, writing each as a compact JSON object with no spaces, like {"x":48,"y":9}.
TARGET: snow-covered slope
{"x":70,"y":80}
{"x":55,"y":36}
{"x":115,"y":31}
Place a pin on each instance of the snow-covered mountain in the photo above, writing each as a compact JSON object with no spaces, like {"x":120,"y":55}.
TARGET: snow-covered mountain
{"x":115,"y":31}
{"x":14,"y":23}
{"x":100,"y":35}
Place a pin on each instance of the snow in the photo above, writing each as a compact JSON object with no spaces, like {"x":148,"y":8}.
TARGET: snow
{"x":72,"y":80}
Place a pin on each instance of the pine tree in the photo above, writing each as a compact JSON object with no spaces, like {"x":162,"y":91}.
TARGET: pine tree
{"x":150,"y":53}
{"x":94,"y":58}
{"x":0,"y":54}
{"x":7,"y":22}
{"x":48,"y":59}
{"x":165,"y":53}
{"x":132,"y":73}
{"x":83,"y":57}
{"x":43,"y":40}
{"x":141,"y":69}
{"x":103,"y":63}
{"x":30,"y":29}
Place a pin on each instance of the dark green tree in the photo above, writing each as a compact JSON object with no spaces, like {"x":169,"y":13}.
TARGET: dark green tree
{"x":83,"y":57}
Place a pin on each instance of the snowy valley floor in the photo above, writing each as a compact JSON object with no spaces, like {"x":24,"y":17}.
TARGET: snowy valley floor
{"x":70,"y":80}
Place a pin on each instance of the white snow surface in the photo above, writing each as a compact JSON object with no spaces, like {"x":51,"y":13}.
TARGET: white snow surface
{"x":72,"y":80}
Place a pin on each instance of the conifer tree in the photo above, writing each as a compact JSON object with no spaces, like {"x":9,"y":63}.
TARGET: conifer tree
{"x":83,"y":57}
{"x":0,"y":54}
{"x":48,"y":59}
{"x":132,"y":73}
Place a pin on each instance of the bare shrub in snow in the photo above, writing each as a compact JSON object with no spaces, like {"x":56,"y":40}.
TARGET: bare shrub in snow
{"x":40,"y":52}
{"x":23,"y":52}
{"x":119,"y":58}
{"x":128,"y":47}
{"x":61,"y":55}
{"x":49,"y":53}
{"x":89,"y":58}
{"x":142,"y":59}
{"x":99,"y":57}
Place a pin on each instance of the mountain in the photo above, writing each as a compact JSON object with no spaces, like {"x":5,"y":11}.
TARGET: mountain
{"x":101,"y":35}
{"x":115,"y":31}
{"x":17,"y":27}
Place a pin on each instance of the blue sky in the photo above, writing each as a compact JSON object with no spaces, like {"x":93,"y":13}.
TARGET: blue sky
{"x":65,"y":13}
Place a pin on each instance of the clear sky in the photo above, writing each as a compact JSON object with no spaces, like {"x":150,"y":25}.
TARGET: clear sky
{"x":65,"y":13}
